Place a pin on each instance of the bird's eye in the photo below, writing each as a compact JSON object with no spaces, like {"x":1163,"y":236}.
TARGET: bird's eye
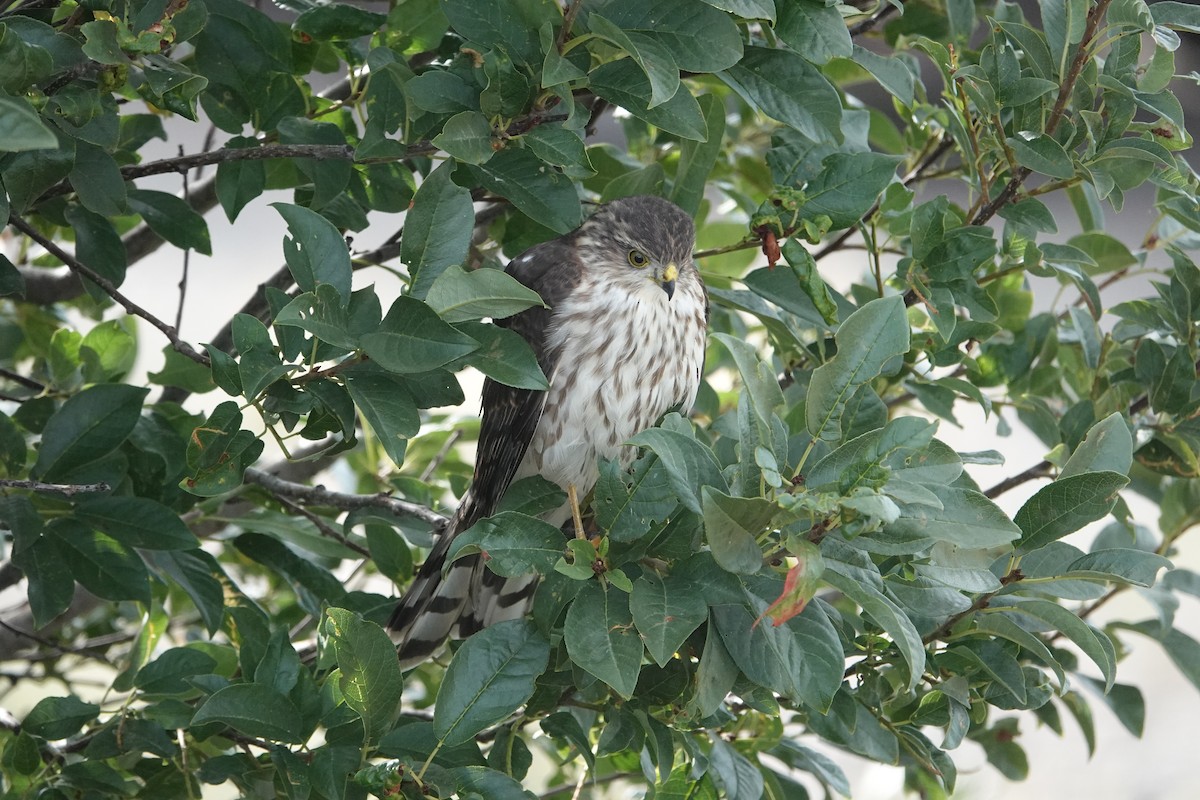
{"x":638,"y":259}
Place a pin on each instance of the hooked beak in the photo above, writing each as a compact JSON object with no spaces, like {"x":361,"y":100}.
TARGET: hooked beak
{"x":668,"y":280}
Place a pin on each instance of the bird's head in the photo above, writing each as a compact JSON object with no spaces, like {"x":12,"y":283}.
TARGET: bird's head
{"x":639,"y":240}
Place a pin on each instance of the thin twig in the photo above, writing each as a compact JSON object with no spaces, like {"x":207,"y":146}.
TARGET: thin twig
{"x":432,"y":466}
{"x":68,"y":489}
{"x":327,"y":530}
{"x":871,"y":22}
{"x":569,"y":15}
{"x":1009,"y":192}
{"x":16,"y":377}
{"x":109,"y":288}
{"x":1038,"y":470}
{"x":187,"y":251}
{"x":319,"y":495}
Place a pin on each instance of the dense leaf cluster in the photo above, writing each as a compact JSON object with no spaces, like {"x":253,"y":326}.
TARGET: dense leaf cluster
{"x":802,"y":560}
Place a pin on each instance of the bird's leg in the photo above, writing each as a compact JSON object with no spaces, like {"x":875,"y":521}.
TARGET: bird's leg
{"x":576,"y":517}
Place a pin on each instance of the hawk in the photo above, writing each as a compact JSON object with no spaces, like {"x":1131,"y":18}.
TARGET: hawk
{"x":622,"y":342}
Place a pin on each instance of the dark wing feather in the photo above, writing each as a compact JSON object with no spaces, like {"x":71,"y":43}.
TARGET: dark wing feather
{"x":432,"y":606}
{"x":510,"y":415}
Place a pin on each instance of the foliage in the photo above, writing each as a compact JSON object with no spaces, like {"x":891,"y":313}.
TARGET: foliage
{"x":803,"y":560}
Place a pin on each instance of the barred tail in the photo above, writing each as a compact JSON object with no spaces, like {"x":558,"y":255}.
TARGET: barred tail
{"x":466,"y":599}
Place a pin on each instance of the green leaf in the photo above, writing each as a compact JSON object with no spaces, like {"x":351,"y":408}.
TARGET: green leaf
{"x":98,"y":246}
{"x":218,"y":452}
{"x":560,"y":147}
{"x":735,"y":775}
{"x":87,"y":427}
{"x":59,"y":717}
{"x":1093,"y":642}
{"x":622,"y":83}
{"x":1107,"y":447}
{"x":172,"y":218}
{"x":967,"y":519}
{"x":867,"y":340}
{"x":98,"y":181}
{"x":1065,"y":506}
{"x":338,"y":22}
{"x":199,"y":575}
{"x":323,"y":314}
{"x":690,"y":465}
{"x":1041,"y":153}
{"x":697,"y":158}
{"x":758,"y":378}
{"x":847,"y":186}
{"x":545,"y":195}
{"x":885,"y":613}
{"x":437,"y":229}
{"x":108,"y":352}
{"x":104,"y":566}
{"x":168,"y":672}
{"x":731,"y":527}
{"x":785,"y":87}
{"x":370,"y":678}
{"x":515,"y":544}
{"x":315,"y":252}
{"x":666,"y":611}
{"x":51,"y":584}
{"x":487,"y":784}
{"x":387,"y":406}
{"x":801,"y":659}
{"x":1172,"y":14}
{"x":240,"y":181}
{"x":21,"y":128}
{"x":328,"y":177}
{"x":504,"y":356}
{"x":468,"y":137}
{"x":491,"y":676}
{"x":1122,"y":564}
{"x":137,"y":522}
{"x":654,"y":59}
{"x":814,"y":30}
{"x":601,"y":637}
{"x":509,"y":24}
{"x":412,"y":338}
{"x":255,"y":710}
{"x":259,"y":365}
{"x":628,"y":502}
{"x":698,"y":37}
{"x":1185,"y":652}
{"x":458,"y":295}
{"x":894,"y":73}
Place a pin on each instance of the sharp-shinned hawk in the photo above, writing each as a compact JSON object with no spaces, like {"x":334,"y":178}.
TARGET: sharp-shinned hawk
{"x":621,"y":342}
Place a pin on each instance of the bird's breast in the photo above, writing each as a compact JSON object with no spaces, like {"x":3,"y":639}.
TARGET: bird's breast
{"x":622,"y":361}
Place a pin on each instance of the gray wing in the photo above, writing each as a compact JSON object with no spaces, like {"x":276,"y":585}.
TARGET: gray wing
{"x":434,"y":604}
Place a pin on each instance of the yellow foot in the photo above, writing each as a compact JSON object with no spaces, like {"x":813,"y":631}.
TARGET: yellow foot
{"x":573,"y":499}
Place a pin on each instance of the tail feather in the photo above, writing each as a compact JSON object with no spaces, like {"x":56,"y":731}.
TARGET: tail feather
{"x":463,"y":601}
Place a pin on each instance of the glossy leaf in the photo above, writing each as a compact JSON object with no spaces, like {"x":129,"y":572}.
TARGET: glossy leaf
{"x":490,"y":676}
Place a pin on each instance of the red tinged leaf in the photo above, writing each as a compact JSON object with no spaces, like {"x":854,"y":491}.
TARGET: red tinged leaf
{"x":799,"y":586}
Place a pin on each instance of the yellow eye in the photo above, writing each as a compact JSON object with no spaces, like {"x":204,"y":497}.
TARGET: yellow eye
{"x":638,"y":259}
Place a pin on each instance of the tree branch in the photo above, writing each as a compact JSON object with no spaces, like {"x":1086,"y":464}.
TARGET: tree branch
{"x":1038,"y":470}
{"x":869,"y":23}
{"x":319,"y":495}
{"x":1081,"y":59}
{"x":81,"y":269}
{"x":16,"y":377}
{"x":182,"y":164}
{"x":68,"y":489}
